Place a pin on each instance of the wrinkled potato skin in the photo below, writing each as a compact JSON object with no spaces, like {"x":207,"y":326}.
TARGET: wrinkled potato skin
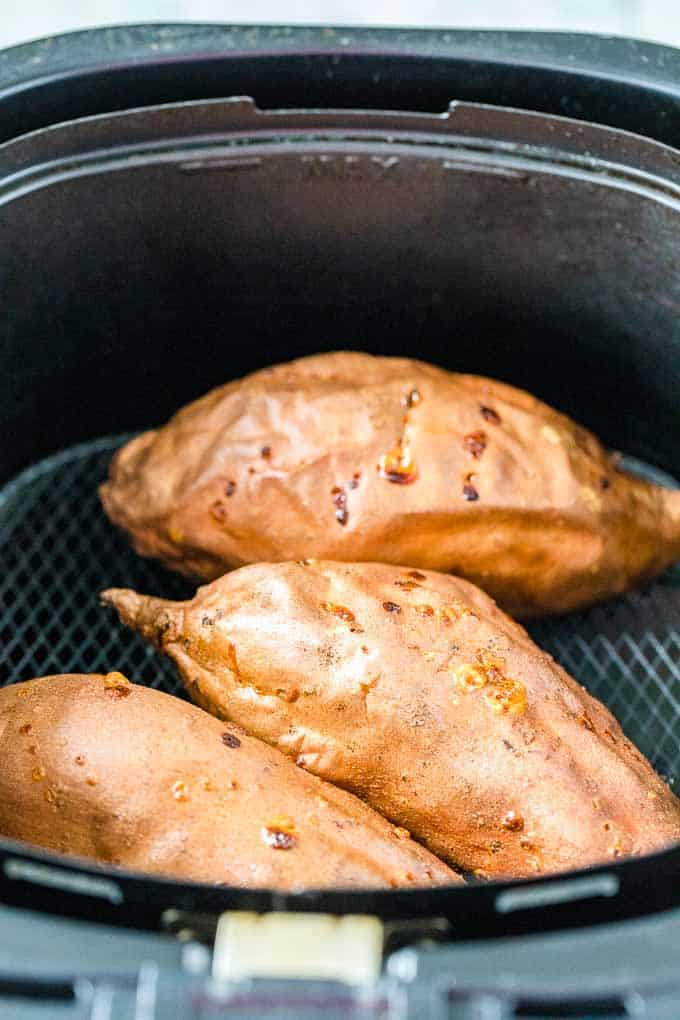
{"x":378,"y":705}
{"x":91,"y":771}
{"x":284,"y":464}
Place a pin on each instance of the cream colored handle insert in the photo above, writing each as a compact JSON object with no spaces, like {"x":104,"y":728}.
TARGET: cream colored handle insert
{"x":310,"y":946}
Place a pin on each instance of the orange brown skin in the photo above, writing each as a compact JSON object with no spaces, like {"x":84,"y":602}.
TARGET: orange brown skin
{"x":440,"y":713}
{"x":101,"y":768}
{"x":351,"y":457}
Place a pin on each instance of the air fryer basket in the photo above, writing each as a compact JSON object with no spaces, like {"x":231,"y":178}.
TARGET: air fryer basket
{"x":150,"y":255}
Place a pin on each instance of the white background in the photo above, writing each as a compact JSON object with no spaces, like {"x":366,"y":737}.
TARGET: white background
{"x":658,"y":20}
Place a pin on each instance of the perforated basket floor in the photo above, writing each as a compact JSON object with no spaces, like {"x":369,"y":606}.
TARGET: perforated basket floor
{"x":58,"y":551}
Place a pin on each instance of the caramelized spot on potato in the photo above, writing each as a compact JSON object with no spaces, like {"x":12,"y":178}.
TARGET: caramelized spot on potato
{"x":116,"y":685}
{"x":91,"y":780}
{"x":416,"y":575}
{"x":26,"y":728}
{"x":180,"y":790}
{"x":424,"y":610}
{"x":506,"y":696}
{"x":231,"y":740}
{"x":391,"y":607}
{"x":280,"y":833}
{"x":79,"y":759}
{"x":230,"y":488}
{"x":490,"y":415}
{"x":398,"y":466}
{"x":266,"y":452}
{"x":38,"y":774}
{"x":345,"y":614}
{"x":475,"y":444}
{"x":218,"y":511}
{"x":512,"y":821}
{"x":289,"y":694}
{"x":586,"y":722}
{"x":470,"y":677}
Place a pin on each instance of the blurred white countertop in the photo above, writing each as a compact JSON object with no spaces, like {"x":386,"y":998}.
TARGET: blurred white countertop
{"x":655,"y":20}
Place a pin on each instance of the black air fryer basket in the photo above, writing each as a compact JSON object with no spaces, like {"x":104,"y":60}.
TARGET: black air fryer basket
{"x":504,"y":204}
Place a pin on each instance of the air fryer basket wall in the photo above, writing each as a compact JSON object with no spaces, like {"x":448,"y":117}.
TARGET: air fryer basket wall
{"x":151,"y":255}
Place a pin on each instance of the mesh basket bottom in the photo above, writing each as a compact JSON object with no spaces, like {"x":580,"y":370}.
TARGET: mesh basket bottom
{"x":58,"y":551}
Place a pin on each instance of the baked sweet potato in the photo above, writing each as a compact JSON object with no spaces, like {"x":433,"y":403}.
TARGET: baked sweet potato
{"x":358,"y":458}
{"x":98,"y":767}
{"x":414,"y":691}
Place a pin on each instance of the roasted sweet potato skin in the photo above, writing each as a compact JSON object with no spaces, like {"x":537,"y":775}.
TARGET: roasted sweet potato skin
{"x":414,"y":691}
{"x":351,"y":457}
{"x":101,"y":768}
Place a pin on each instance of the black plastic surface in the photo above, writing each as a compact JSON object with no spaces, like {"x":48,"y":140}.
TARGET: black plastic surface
{"x":621,"y":82}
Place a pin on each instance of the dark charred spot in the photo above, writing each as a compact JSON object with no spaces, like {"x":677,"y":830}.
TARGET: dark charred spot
{"x":416,"y":575}
{"x":604,"y":482}
{"x":230,"y":488}
{"x":391,"y":607}
{"x":496,"y":846}
{"x":218,"y":510}
{"x":475,"y":444}
{"x":231,"y":740}
{"x":342,"y":515}
{"x":266,"y":452}
{"x":412,"y":399}
{"x":470,"y":492}
{"x":207,"y":621}
{"x":354,"y":481}
{"x":490,"y":415}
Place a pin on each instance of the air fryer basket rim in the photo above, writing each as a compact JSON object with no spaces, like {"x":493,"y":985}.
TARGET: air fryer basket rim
{"x":627,"y":888}
{"x":622,"y":82}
